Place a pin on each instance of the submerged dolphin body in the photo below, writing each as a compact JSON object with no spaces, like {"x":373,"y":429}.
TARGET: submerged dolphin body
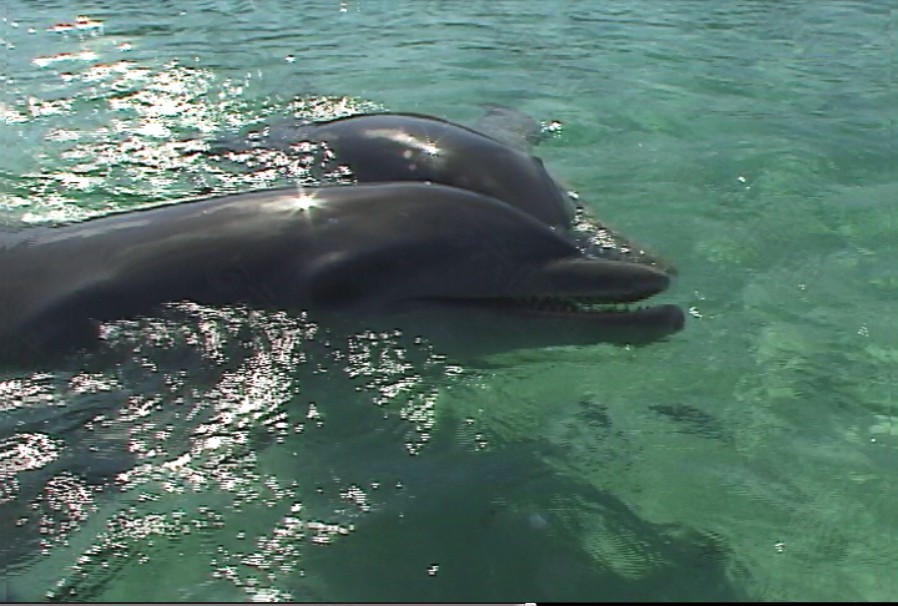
{"x":391,"y":254}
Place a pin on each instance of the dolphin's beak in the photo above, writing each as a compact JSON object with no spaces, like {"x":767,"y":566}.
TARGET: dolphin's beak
{"x":587,"y":299}
{"x":599,"y":280}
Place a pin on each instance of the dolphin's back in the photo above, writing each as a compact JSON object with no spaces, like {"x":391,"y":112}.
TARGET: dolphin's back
{"x":412,"y":147}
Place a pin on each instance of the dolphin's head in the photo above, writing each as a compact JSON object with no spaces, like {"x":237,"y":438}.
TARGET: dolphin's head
{"x":455,"y":253}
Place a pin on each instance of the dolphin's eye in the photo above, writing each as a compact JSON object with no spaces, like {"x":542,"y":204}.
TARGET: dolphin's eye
{"x":335,"y":294}
{"x":347,"y":280}
{"x":336,"y":285}
{"x":378,"y":277}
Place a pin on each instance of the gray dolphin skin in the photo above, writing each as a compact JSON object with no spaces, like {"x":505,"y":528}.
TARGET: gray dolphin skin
{"x":412,"y":147}
{"x":397,"y":253}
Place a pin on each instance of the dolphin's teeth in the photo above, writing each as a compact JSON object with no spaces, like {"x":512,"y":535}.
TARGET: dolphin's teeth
{"x":571,"y":305}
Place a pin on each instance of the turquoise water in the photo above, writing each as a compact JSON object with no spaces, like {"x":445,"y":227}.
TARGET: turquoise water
{"x":229,"y":454}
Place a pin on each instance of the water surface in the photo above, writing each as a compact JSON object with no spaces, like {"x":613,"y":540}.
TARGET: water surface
{"x":229,"y":454}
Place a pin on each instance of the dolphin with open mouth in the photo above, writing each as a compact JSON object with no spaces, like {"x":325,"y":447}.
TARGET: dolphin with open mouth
{"x":391,"y":254}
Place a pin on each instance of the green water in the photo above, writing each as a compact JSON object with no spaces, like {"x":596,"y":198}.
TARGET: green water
{"x":226,"y":454}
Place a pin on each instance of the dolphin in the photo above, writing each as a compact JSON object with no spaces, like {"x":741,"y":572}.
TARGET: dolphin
{"x":492,"y":158}
{"x":366,"y":254}
{"x":411,"y":147}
